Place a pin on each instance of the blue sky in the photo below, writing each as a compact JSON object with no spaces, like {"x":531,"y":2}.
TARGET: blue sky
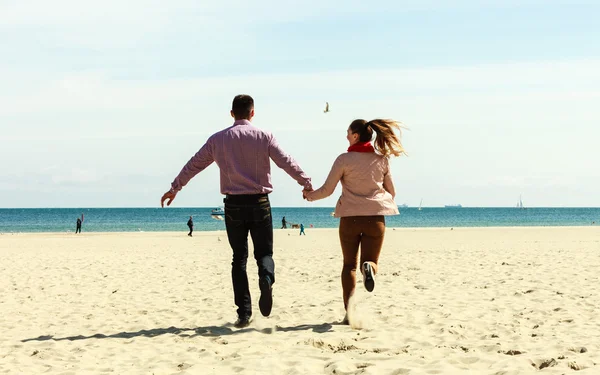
{"x":103,"y":102}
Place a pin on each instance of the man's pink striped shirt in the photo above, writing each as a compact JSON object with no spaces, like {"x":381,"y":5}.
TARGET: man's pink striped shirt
{"x":243,"y":153}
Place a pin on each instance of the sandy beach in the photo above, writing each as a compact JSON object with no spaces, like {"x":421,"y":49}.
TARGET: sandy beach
{"x":462,"y":301}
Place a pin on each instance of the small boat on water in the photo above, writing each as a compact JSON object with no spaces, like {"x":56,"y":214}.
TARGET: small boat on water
{"x":453,"y":206}
{"x":520,"y":203}
{"x":218,"y":211}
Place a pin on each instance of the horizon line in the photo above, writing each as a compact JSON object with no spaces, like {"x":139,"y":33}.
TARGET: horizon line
{"x":331,"y":207}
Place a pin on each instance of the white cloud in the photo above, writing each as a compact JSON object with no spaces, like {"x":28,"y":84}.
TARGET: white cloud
{"x":75,"y":176}
{"x":526,"y":181}
{"x":571,"y":80}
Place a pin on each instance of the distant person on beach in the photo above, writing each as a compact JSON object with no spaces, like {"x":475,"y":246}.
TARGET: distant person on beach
{"x":283,"y":223}
{"x":79,"y":222}
{"x":243,"y":154}
{"x":190,"y":225}
{"x":364,"y":202}
{"x":302,"y":229}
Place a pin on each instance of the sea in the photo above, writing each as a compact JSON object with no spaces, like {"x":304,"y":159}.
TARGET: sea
{"x":27,"y":220}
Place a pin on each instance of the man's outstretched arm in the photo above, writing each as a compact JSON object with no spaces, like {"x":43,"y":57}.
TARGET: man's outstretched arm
{"x":288,"y":164}
{"x":198,"y":163}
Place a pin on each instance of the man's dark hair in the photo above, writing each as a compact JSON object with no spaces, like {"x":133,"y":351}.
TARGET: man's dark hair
{"x":242,"y":106}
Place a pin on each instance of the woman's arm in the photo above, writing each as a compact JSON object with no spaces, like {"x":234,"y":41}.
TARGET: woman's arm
{"x":335,"y":175}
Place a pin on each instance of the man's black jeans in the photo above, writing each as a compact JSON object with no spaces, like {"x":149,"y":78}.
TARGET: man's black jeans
{"x":243,"y":214}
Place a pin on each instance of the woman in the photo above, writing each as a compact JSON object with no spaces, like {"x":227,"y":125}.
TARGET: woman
{"x":367,"y":196}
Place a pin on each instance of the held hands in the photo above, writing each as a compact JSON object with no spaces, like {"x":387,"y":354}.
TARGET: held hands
{"x":306,"y":194}
{"x":168,"y":196}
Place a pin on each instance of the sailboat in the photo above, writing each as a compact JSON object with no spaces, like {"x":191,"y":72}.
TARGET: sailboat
{"x":420,"y":204}
{"x":520,"y":203}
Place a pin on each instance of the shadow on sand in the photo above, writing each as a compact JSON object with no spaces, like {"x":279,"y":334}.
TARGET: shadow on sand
{"x":209,"y":331}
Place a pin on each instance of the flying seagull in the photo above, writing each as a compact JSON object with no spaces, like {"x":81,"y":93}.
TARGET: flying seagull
{"x":326,"y":107}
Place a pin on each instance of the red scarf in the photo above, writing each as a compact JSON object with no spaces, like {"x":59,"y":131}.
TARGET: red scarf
{"x":361,"y":147}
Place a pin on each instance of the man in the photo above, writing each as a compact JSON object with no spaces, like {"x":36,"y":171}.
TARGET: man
{"x":79,"y":222}
{"x":190,"y":225}
{"x":283,"y":223}
{"x":243,"y":153}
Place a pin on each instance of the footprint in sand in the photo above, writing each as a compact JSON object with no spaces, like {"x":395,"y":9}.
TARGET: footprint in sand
{"x":219,"y":340}
{"x":513,"y":352}
{"x":543,"y":363}
{"x":575,"y":366}
{"x":183,"y":366}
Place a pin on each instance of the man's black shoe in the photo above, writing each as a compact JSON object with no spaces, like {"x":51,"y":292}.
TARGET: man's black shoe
{"x":265,"y":303}
{"x":242,"y":322}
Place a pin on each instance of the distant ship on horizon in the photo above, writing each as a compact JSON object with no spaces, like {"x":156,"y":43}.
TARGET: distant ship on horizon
{"x":403,"y":205}
{"x":453,"y":206}
{"x":217,"y":211}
